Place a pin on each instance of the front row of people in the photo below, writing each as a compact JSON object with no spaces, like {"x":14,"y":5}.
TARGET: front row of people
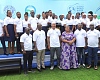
{"x":69,"y":47}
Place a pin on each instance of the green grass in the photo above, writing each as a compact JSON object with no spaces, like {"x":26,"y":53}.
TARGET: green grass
{"x":56,"y":74}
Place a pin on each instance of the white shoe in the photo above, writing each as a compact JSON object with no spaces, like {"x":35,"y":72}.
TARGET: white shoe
{"x":59,"y":67}
{"x":83,"y":65}
{"x":52,"y":67}
{"x":79,"y":65}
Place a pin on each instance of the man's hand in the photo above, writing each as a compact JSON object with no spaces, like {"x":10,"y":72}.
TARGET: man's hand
{"x":33,"y":31}
{"x":49,"y":47}
{"x":99,"y":46}
{"x":16,"y":35}
{"x":24,"y":52}
{"x":2,"y":35}
{"x":85,"y":47}
{"x":7,"y":35}
{"x":36,"y":49}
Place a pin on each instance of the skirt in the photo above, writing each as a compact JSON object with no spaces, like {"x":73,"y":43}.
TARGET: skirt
{"x":10,"y":29}
{"x":84,"y":27}
{"x":71,"y":26}
{"x":45,"y":29}
{"x":24,"y":30}
{"x":62,"y":29}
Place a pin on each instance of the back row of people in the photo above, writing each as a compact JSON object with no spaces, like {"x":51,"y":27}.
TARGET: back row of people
{"x":12,"y":29}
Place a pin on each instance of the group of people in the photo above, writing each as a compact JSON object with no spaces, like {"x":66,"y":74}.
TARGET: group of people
{"x":75,"y":34}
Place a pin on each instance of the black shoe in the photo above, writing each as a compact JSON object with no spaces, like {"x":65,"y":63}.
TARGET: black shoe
{"x":6,"y":54}
{"x":31,"y":71}
{"x":12,"y":53}
{"x":39,"y":70}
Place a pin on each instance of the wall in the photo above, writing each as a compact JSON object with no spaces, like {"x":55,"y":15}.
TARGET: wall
{"x":57,"y":6}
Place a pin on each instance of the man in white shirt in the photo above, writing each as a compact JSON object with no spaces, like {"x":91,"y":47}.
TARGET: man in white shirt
{"x":61,"y":22}
{"x":53,"y":39}
{"x":70,"y":22}
{"x":83,"y":21}
{"x":77,"y":20}
{"x":73,"y":21}
{"x":38,"y":16}
{"x":33,"y":22}
{"x":25,"y":21}
{"x":54,"y":19}
{"x":2,"y":36}
{"x":50,"y":16}
{"x":18,"y":30}
{"x":93,"y":42}
{"x":96,"y":20}
{"x":80,"y":35}
{"x":39,"y":42}
{"x":99,"y":25}
{"x":26,"y":46}
{"x":91,"y":21}
{"x":44,"y":22}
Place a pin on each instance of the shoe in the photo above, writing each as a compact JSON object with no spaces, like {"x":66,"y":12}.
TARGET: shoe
{"x":39,"y":70}
{"x":18,"y":52}
{"x":88,"y":67}
{"x":31,"y":71}
{"x":59,"y":67}
{"x":25,"y":73}
{"x":52,"y":67}
{"x":95,"y":67}
{"x":79,"y":65}
{"x":6,"y":54}
{"x":11,"y":53}
{"x":83,"y":65}
{"x":43,"y":68}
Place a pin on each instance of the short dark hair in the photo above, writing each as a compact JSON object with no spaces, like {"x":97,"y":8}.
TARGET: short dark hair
{"x":7,"y":12}
{"x":26,"y":13}
{"x":43,"y":12}
{"x":82,"y":13}
{"x":91,"y":12}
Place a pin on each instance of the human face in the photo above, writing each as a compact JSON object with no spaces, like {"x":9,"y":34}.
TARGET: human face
{"x":32,"y":13}
{"x":68,"y":16}
{"x":27,"y":30}
{"x":84,"y":16}
{"x":77,"y":15}
{"x":91,"y":18}
{"x":56,"y":17}
{"x":61,"y":17}
{"x":50,"y":13}
{"x":91,"y":26}
{"x":67,"y":29}
{"x":72,"y":17}
{"x":19,"y":15}
{"x":39,"y":26}
{"x":25,"y":17}
{"x":94,"y":16}
{"x":9,"y":13}
{"x":79,"y":26}
{"x":53,"y":25}
{"x":43,"y":15}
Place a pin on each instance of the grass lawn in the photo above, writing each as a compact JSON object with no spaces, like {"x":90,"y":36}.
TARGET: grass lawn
{"x":56,"y":74}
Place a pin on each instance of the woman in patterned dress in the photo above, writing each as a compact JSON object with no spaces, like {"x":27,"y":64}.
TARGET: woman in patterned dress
{"x":68,"y":55}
